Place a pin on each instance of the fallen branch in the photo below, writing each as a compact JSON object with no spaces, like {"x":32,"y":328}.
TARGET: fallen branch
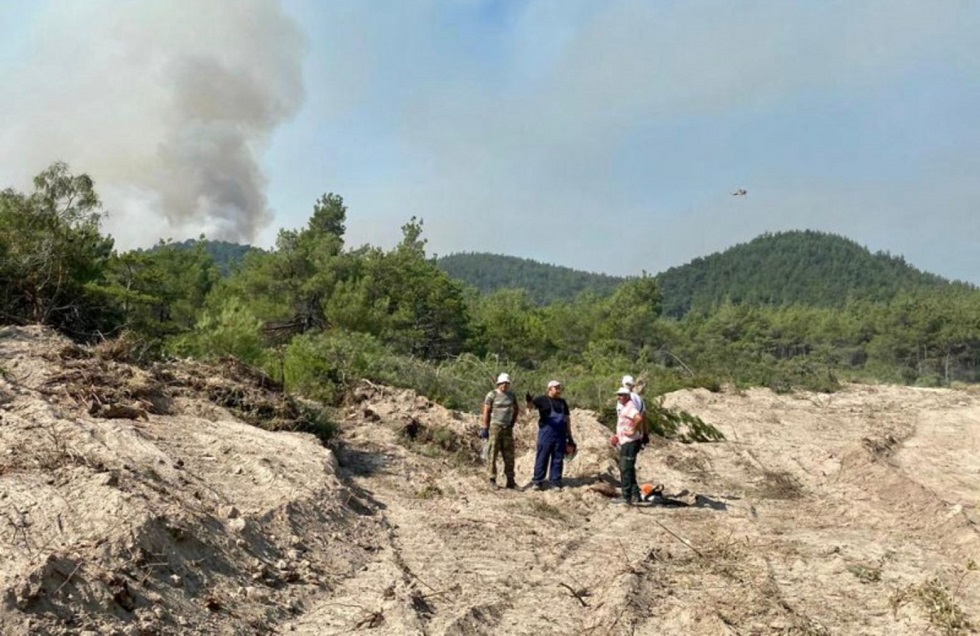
{"x":679,"y":538}
{"x":454,"y":588}
{"x":415,"y":576}
{"x":77,"y":567}
{"x":20,"y":527}
{"x":577,"y":595}
{"x":374,"y":619}
{"x":122,"y":411}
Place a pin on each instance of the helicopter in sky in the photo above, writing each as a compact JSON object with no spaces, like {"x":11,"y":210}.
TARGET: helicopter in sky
{"x":741,"y":192}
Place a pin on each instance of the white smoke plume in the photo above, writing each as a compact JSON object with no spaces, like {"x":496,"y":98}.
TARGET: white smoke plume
{"x":167,"y":104}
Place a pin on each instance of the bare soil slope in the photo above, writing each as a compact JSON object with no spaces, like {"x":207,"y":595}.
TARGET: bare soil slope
{"x":852,"y":513}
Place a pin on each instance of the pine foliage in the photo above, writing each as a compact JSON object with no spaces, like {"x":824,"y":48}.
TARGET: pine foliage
{"x":544,"y":283}
{"x":227,"y":256}
{"x":798,"y":267}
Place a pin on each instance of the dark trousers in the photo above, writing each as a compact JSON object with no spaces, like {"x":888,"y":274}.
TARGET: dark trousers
{"x":627,"y":470}
{"x":551,"y":450}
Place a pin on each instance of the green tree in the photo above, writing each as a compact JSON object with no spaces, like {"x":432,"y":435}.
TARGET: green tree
{"x":425,"y":310}
{"x":630,"y":314}
{"x":509,"y":324}
{"x":292,"y":284}
{"x":329,"y":216}
{"x":162,"y":291}
{"x":814,"y":268}
{"x":571,"y":325}
{"x":54,"y":257}
{"x":230,"y":329}
{"x":545,"y":283}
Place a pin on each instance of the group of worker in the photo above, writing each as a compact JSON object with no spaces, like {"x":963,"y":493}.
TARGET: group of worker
{"x":555,"y":439}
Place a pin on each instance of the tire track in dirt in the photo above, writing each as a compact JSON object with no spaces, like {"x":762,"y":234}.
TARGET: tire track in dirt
{"x":820,"y":526}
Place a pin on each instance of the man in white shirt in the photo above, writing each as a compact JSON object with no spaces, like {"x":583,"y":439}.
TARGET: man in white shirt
{"x":628,"y":439}
{"x":641,"y":408}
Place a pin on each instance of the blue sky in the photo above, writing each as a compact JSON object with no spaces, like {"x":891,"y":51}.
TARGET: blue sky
{"x":605,"y":136}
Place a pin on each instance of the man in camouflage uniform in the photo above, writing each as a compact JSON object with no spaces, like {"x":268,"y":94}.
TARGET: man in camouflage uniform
{"x":500,"y":411}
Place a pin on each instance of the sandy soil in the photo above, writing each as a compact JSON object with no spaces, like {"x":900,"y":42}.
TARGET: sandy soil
{"x":851,"y":513}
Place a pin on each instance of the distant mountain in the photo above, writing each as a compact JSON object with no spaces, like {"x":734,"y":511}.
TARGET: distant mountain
{"x":801,"y":267}
{"x":226,"y":255}
{"x":805,"y":267}
{"x":545,"y":283}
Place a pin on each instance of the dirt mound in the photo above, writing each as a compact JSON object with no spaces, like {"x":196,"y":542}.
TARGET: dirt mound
{"x":851,"y":513}
{"x":185,"y":520}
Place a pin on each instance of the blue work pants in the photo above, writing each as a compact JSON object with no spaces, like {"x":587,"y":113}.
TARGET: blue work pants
{"x":551,"y":449}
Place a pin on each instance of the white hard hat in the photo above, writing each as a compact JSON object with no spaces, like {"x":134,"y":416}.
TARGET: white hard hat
{"x":503,"y":377}
{"x":622,"y":391}
{"x":628,"y":380}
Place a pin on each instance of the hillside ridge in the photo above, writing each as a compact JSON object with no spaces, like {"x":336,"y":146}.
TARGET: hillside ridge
{"x":792,"y":267}
{"x":545,"y":283}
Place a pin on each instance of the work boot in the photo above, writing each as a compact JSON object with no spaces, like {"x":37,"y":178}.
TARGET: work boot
{"x":511,"y":484}
{"x":538,"y":485}
{"x":622,"y":501}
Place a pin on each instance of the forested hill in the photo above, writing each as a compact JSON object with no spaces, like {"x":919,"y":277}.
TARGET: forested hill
{"x":805,"y":267}
{"x":226,"y":255}
{"x":797,"y":267}
{"x":545,"y":283}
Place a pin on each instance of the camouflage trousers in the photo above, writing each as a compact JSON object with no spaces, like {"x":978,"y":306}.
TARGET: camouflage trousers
{"x":501,"y":442}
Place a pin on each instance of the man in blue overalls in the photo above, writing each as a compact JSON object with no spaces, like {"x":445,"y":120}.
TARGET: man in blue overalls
{"x":554,"y":433}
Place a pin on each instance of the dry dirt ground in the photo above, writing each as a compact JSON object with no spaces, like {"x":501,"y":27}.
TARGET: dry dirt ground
{"x":851,"y":513}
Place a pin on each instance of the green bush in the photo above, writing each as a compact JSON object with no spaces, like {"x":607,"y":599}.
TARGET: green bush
{"x":230,"y":330}
{"x":323,"y":366}
{"x":705,"y":381}
{"x":317,"y":421}
{"x":930,"y":380}
{"x":679,"y":424}
{"x":668,"y":423}
{"x":459,"y":383}
{"x":326,"y":366}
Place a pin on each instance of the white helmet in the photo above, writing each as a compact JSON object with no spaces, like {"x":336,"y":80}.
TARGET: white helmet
{"x":503,"y":377}
{"x":628,"y":381}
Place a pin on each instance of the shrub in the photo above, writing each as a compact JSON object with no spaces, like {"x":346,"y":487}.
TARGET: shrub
{"x":324,"y":366}
{"x":705,"y":381}
{"x":317,"y":421}
{"x":679,"y":424}
{"x":230,"y":330}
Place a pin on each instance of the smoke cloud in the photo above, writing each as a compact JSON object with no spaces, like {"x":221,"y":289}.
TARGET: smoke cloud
{"x":167,"y":104}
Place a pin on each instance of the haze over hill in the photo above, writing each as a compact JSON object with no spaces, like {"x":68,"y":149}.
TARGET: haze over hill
{"x":560,"y":121}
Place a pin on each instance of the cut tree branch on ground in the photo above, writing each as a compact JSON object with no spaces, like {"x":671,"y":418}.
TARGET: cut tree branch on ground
{"x":426,"y":597}
{"x":626,"y":558}
{"x":577,"y":595}
{"x":374,"y":619}
{"x":679,"y":538}
{"x":68,"y":578}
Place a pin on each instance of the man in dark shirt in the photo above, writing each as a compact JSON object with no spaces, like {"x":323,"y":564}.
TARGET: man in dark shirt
{"x":554,"y":433}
